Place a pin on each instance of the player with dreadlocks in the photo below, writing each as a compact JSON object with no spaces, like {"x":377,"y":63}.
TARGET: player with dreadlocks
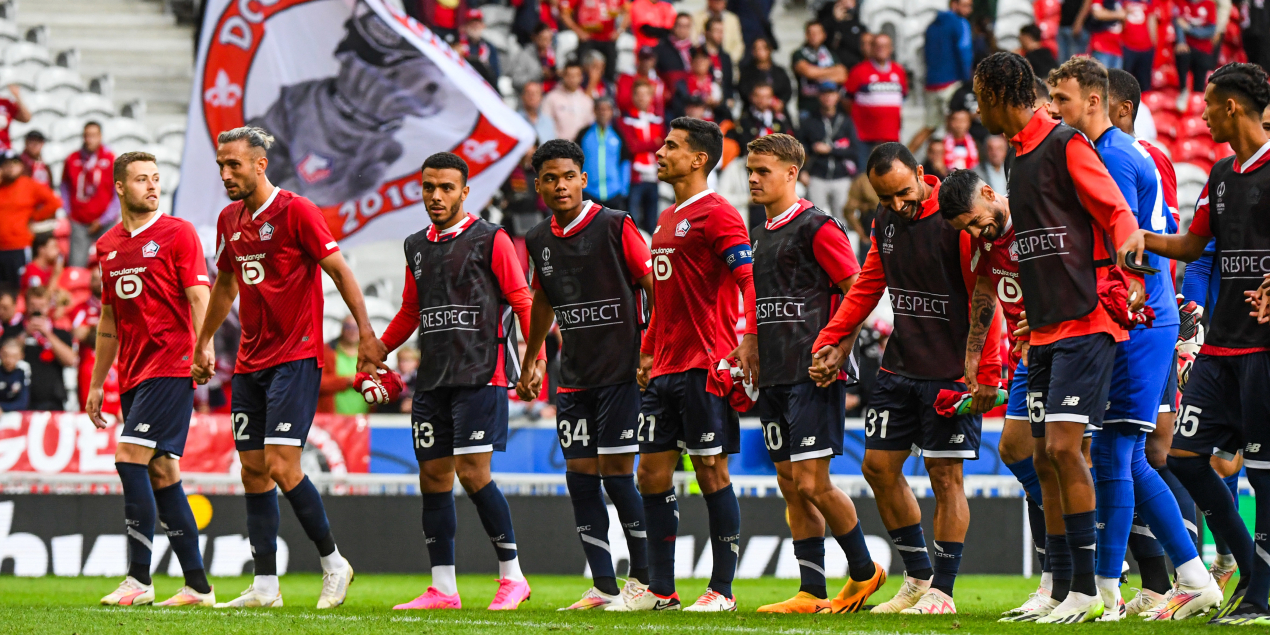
{"x":1065,"y":206}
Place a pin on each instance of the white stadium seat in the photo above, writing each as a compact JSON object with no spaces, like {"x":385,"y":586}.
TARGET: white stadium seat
{"x":90,"y":105}
{"x":66,"y":129}
{"x":59,"y":80}
{"x":24,"y":77}
{"x":124,"y":130}
{"x":40,"y":103}
{"x":9,"y":31}
{"x":27,"y":54}
{"x":1190,"y":174}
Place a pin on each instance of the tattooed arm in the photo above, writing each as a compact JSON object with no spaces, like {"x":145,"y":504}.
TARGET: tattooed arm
{"x":983,"y":309}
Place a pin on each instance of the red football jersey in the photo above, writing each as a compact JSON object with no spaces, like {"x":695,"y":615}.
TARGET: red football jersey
{"x":696,"y":300}
{"x":878,"y":94}
{"x":144,"y":275}
{"x":1136,"y":35}
{"x":274,"y":253}
{"x":999,"y":260}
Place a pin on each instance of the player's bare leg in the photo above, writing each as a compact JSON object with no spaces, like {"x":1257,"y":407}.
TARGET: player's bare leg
{"x":884,"y":471}
{"x":614,"y":472}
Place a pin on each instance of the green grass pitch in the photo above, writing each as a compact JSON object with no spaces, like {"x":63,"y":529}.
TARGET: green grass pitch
{"x":69,"y":606}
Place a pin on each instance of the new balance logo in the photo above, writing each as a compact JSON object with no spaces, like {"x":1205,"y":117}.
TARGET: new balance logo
{"x":1252,"y":447}
{"x":627,"y":434}
{"x":283,"y":427}
{"x":1101,"y":525}
{"x":142,"y":427}
{"x":1070,"y":401}
{"x":808,"y":442}
{"x":957,"y":439}
{"x":707,"y":437}
{"x":477,"y":436}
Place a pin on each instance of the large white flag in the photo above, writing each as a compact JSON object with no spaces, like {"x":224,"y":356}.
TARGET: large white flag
{"x":357,"y":95}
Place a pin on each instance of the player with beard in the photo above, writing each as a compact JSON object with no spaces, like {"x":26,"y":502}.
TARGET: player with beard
{"x":271,"y":244}
{"x":926,"y":265}
{"x":335,"y":135}
{"x":1059,"y":188}
{"x":1225,"y":403}
{"x":150,"y":311}
{"x":590,"y":265}
{"x":1143,"y":364}
{"x":463,"y":283}
{"x":701,"y":261}
{"x":972,"y":206}
{"x":803,"y":263}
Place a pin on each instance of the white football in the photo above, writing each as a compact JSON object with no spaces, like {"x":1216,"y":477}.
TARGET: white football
{"x":374,"y":393}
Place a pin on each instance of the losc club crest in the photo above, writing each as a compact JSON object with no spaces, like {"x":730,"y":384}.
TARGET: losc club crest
{"x":1014,"y":252}
{"x":682,"y":228}
{"x":266,"y":231}
{"x":150,"y":249}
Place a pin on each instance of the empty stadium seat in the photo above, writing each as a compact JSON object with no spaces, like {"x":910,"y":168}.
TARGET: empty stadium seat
{"x":1189,"y":174}
{"x":74,"y":279}
{"x":9,"y":31}
{"x":1167,"y":124}
{"x":23,"y":77}
{"x":27,"y":54}
{"x":1192,"y":126}
{"x":1195,"y":104}
{"x":60,"y":80}
{"x":67,"y":129}
{"x":1159,"y":101}
{"x":90,"y":105}
{"x":122,"y":130}
{"x":40,"y":103}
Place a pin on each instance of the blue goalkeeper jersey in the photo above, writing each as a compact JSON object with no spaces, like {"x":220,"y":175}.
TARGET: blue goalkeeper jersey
{"x":1131,"y":166}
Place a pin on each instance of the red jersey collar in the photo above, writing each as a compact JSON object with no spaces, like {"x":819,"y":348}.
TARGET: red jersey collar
{"x":436,"y":236}
{"x":931,"y":204}
{"x":1257,"y":160}
{"x":1033,"y":133}
{"x":589,"y":210}
{"x":784,"y":217}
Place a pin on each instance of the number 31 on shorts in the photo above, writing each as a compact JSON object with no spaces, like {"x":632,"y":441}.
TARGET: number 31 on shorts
{"x":875,"y":421}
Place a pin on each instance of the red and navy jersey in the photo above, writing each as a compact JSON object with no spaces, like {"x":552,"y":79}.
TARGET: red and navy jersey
{"x":144,"y":275}
{"x":274,"y":253}
{"x":999,"y":261}
{"x":701,"y":261}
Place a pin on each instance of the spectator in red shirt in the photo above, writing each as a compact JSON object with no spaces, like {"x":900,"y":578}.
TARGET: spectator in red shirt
{"x":33,"y":163}
{"x":46,"y":264}
{"x":701,"y":83}
{"x":11,"y":110}
{"x":650,"y":19}
{"x":88,"y":189}
{"x":719,"y":58}
{"x":442,"y":16}
{"x":22,"y":201}
{"x":1104,"y":32}
{"x":1196,"y":20}
{"x":960,"y":151}
{"x":877,"y":87}
{"x":646,"y":70}
{"x":1138,"y":40}
{"x":597,"y":23}
{"x":643,"y":133}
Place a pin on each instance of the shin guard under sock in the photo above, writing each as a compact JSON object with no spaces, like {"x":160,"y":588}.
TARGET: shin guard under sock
{"x":139,"y":517}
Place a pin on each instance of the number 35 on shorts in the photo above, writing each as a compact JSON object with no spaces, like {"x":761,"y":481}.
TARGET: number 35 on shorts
{"x":1187,"y":421}
{"x":875,"y":421}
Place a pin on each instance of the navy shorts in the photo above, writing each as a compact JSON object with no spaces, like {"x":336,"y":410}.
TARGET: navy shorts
{"x":676,"y":413}
{"x":459,"y":420}
{"x":1069,"y":380}
{"x":598,"y":421}
{"x":802,"y":421}
{"x":1225,"y":408}
{"x":1144,"y":364}
{"x":156,"y":414}
{"x":1016,"y":406}
{"x":275,"y":406}
{"x":901,"y":416}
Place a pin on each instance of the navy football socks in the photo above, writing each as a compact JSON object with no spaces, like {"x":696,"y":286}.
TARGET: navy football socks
{"x":182,"y":530}
{"x":912,"y":545}
{"x":725,"y":537}
{"x":810,"y":554}
{"x":139,"y":515}
{"x":947,"y":562}
{"x":661,"y":511}
{"x":630,"y":512}
{"x":440,"y":523}
{"x":1036,"y":522}
{"x":263,"y":518}
{"x":1082,"y":538}
{"x":307,"y":504}
{"x":1259,"y":585}
{"x":1059,"y":558}
{"x":1184,"y":502}
{"x":591,"y":516}
{"x":1212,"y":496}
{"x":859,"y":561}
{"x":496,"y":517}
